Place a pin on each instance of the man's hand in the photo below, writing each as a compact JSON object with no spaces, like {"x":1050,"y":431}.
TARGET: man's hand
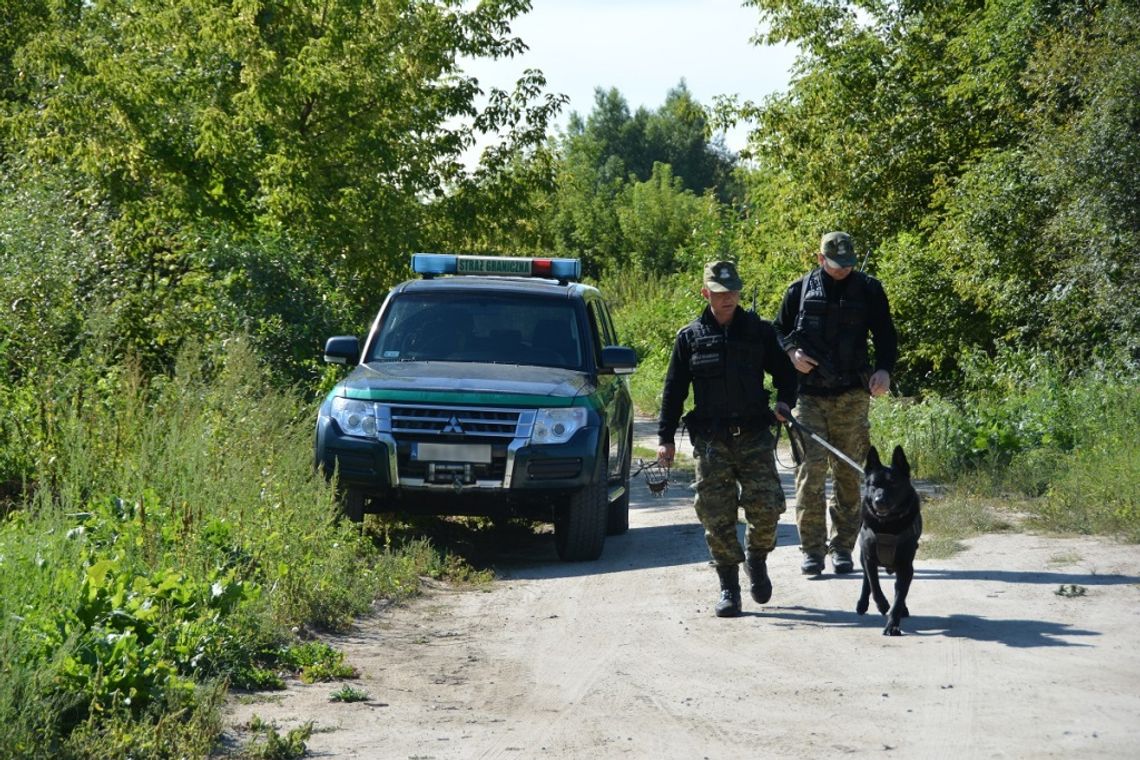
{"x":665,"y":453}
{"x":879,"y":383}
{"x":783,"y":411}
{"x":803,"y":363}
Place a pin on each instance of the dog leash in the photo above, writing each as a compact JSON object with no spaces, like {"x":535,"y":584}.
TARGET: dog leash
{"x":795,"y":443}
{"x":802,"y":428}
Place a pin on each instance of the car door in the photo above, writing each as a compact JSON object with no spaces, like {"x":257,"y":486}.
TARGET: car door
{"x":613,"y":390}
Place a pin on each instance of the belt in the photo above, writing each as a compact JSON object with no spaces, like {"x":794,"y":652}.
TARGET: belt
{"x":726,"y":431}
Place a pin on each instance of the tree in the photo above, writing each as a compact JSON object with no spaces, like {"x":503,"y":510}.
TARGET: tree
{"x":1085,"y":147}
{"x":21,"y":21}
{"x":657,"y":217}
{"x":892,"y":102}
{"x":984,"y":151}
{"x":628,"y":185}
{"x":329,"y":123}
{"x":676,"y":134}
{"x":1038,"y":238}
{"x":500,"y":211}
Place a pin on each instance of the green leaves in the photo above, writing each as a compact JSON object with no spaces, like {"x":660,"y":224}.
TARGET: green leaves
{"x":326,"y":123}
{"x":981,"y":150}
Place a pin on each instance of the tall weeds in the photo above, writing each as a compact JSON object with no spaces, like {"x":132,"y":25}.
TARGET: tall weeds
{"x":649,"y":310}
{"x":1064,"y":444}
{"x":172,"y":535}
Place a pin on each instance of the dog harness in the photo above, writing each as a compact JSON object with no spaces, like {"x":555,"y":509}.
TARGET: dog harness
{"x":887,"y":543}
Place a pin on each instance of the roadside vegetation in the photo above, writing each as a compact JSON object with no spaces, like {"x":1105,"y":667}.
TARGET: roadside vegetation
{"x":1023,"y":438}
{"x":1030,"y":439}
{"x":193,"y":196}
{"x":175,"y":541}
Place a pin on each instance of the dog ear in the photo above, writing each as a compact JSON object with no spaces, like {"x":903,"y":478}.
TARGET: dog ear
{"x":899,"y":463}
{"x":873,"y":461}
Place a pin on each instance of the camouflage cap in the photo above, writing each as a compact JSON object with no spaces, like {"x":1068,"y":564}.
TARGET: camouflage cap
{"x":837,"y":247}
{"x":721,"y":277}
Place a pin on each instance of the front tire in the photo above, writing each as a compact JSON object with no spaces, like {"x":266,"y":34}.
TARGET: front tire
{"x":580,"y":523}
{"x":353,"y":507}
{"x":617,"y":516}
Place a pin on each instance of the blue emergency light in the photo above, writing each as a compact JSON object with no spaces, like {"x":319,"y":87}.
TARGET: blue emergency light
{"x":432,"y":264}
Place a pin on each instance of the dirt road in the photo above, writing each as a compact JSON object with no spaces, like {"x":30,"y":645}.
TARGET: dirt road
{"x":623,"y":658}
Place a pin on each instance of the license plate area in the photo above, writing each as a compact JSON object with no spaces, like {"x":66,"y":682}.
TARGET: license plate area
{"x":475,"y":453}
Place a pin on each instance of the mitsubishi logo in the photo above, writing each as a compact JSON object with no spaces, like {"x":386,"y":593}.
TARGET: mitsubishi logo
{"x":453,"y":426}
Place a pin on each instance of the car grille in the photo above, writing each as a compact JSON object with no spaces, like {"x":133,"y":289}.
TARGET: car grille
{"x":411,"y":423}
{"x":457,"y":422}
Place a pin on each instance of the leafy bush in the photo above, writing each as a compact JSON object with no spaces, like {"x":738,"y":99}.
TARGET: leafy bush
{"x":1026,"y":428}
{"x":175,"y":534}
{"x":649,"y":310}
{"x":317,"y":661}
{"x":273,"y":746}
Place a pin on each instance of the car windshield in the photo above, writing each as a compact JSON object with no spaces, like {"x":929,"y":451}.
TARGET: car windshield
{"x":485,"y":328}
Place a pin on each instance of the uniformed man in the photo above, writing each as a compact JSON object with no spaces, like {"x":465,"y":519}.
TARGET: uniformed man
{"x":723,"y":355}
{"x":823,"y":325}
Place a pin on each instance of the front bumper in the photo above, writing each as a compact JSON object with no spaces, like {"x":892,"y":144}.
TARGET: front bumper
{"x":387,"y":464}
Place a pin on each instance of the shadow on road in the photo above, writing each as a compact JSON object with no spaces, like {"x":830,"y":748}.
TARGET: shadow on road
{"x":1037,"y":577}
{"x":639,"y":549}
{"x":1012,"y":633}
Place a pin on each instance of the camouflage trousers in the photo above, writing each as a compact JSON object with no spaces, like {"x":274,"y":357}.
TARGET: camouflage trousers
{"x":735,"y":472}
{"x":841,"y":421}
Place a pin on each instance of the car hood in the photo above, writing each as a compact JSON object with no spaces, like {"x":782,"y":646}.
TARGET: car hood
{"x":464,"y":382}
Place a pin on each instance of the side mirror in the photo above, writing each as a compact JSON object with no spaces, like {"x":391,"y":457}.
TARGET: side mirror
{"x":620,"y":360}
{"x":342,"y":349}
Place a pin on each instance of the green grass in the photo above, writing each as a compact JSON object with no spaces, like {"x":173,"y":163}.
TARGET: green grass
{"x":1026,"y":438}
{"x":172,"y":539}
{"x":267,"y":744}
{"x":347,"y":693}
{"x":649,"y":310}
{"x":948,"y":519}
{"x":647,"y":453}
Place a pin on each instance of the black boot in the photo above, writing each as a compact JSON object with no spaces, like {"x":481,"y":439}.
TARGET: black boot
{"x":761,"y":588}
{"x":729,"y":603}
{"x":841,"y":561}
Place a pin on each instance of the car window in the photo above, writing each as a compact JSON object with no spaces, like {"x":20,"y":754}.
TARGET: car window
{"x":599,"y":327}
{"x":610,"y":334}
{"x":508,"y":329}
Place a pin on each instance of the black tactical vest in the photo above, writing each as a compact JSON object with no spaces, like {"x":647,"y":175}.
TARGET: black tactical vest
{"x":834,"y":332}
{"x":727,"y":368}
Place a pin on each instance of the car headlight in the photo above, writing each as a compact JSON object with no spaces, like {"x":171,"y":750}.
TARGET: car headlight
{"x":357,"y":418}
{"x":557,"y":425}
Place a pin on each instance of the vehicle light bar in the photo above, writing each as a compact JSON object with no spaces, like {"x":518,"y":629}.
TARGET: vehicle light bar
{"x":431,"y":264}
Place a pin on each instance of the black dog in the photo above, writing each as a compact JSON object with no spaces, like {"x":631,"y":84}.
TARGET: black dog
{"x":892,"y":524}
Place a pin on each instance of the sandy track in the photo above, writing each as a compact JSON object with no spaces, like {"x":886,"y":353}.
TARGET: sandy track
{"x":623,"y":658}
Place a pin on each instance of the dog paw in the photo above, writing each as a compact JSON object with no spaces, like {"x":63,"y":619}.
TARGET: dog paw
{"x":883,"y":607}
{"x":861,"y":607}
{"x":892,"y":630}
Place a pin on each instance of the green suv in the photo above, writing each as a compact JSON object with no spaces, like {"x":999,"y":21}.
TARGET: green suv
{"x":491,"y":386}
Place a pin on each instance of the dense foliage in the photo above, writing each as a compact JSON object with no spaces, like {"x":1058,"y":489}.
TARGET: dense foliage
{"x":324,"y":126}
{"x":194,"y":195}
{"x":173,"y":537}
{"x":986,"y":153}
